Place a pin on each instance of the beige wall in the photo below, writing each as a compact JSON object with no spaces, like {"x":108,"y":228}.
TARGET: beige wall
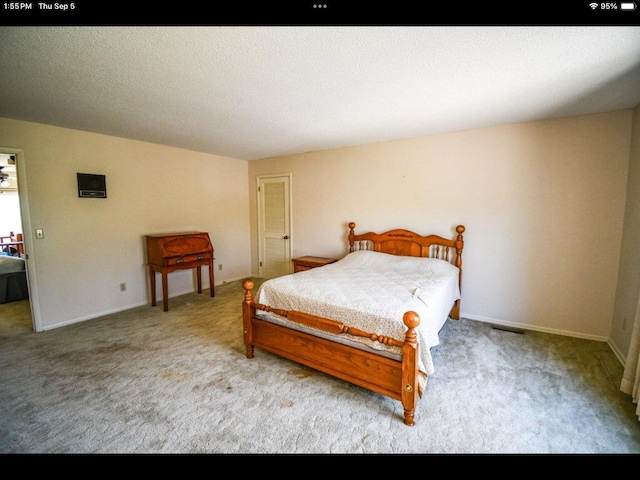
{"x":90,"y":246}
{"x":543,"y":204}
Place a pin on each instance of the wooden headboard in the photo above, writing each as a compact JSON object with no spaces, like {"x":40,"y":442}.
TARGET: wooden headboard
{"x":407,"y":243}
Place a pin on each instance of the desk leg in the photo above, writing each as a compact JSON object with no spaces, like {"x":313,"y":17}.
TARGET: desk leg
{"x":152,"y":278}
{"x":165,"y":291}
{"x":199,"y":279}
{"x":211,"y":279}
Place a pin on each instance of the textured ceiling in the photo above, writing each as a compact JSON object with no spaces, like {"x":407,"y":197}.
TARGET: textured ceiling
{"x":258,"y":91}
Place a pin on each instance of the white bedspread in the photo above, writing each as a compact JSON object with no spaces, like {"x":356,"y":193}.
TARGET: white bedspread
{"x":371,"y":291}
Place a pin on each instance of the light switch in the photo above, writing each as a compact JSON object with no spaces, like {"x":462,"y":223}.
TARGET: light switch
{"x":39,"y":233}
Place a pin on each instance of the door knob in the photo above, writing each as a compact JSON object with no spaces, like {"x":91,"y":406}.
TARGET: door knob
{"x":286,"y":237}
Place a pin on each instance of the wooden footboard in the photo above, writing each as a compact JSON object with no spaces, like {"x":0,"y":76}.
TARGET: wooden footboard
{"x":399,"y":380}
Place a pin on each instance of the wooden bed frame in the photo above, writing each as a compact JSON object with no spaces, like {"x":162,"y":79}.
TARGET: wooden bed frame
{"x":398,"y":379}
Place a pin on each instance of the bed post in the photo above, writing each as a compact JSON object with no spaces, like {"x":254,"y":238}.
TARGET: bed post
{"x":410,"y":372}
{"x":459,"y":243}
{"x":352,"y":234}
{"x":247,"y":313}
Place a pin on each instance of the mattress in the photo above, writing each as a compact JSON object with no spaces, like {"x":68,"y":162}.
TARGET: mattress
{"x":11,"y":264}
{"x":370,"y":291}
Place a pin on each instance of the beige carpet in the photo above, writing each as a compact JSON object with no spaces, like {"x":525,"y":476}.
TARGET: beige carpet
{"x":146,"y":381}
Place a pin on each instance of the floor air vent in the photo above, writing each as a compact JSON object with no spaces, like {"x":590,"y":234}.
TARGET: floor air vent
{"x":508,"y":329}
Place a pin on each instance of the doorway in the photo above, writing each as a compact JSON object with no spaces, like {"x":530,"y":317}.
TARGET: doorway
{"x":274,"y":225}
{"x":19,"y":221}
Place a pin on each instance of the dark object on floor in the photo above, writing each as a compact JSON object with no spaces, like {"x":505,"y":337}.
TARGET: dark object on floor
{"x":508,"y":329}
{"x":13,"y":279}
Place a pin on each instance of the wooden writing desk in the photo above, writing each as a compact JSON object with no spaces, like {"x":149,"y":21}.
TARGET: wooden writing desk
{"x":178,"y":251}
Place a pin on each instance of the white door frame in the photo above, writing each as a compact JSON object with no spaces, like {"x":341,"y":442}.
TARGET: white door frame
{"x":25,"y":215}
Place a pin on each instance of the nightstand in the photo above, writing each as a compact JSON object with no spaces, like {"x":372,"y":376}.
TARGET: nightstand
{"x":301,"y":264}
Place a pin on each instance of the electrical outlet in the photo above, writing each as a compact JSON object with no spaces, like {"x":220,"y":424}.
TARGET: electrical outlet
{"x":123,"y":287}
{"x":219,"y":266}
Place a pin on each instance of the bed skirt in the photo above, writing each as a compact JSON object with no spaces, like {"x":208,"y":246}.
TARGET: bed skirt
{"x":13,"y":287}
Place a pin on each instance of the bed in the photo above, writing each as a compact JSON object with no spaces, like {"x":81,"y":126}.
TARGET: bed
{"x":370,"y":318}
{"x":13,"y":279}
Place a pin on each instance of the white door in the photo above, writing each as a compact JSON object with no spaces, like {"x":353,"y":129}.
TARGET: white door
{"x":274,"y":225}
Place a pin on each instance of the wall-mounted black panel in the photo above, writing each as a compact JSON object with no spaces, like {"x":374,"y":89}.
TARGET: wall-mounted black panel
{"x":92,"y":186}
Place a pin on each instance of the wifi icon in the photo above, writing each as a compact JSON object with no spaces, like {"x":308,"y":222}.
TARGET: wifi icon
{"x":593,"y":5}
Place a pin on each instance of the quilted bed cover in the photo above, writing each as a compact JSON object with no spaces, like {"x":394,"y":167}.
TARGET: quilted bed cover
{"x":372,"y":291}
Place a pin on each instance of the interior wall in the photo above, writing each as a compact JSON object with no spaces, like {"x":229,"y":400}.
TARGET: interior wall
{"x":91,"y":245}
{"x":543,"y":204}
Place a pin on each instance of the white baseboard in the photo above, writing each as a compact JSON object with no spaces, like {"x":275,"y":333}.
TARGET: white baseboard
{"x":96,"y":315}
{"x":534,"y":328}
{"x":554,"y":331}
